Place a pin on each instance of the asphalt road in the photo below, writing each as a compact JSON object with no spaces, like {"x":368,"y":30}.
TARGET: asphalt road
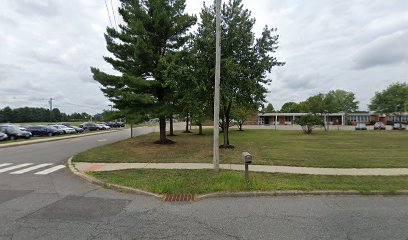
{"x":58,"y":205}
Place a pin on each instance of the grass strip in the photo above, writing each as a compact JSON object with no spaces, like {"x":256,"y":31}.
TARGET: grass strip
{"x":207,"y":181}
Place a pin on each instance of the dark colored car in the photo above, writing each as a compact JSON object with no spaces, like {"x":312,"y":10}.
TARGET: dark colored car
{"x":379,"y":126}
{"x":115,"y":124}
{"x":361,"y":126}
{"x":89,"y":126}
{"x":3,"y":136}
{"x":14,"y":132}
{"x":43,"y":130}
{"x":398,"y":126}
{"x":78,"y":129}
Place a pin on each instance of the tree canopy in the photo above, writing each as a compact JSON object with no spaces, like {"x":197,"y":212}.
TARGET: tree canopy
{"x":394,"y":99}
{"x":290,"y":107}
{"x":30,"y":114}
{"x":331,"y":102}
{"x":341,"y":101}
{"x":152,"y":32}
{"x":245,"y":59}
{"x":269,"y":108}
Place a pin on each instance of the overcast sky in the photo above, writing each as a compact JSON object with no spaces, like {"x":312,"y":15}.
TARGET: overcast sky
{"x":48,"y":46}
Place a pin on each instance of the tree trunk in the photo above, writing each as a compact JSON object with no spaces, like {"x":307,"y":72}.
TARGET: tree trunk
{"x":162,"y":126}
{"x":131,"y":129}
{"x":171,"y":127}
{"x":226,"y":127}
{"x":327,"y":122}
{"x":324,"y":123}
{"x":191,"y":122}
{"x":187,"y":122}
{"x":200,"y":129}
{"x":240,"y":126}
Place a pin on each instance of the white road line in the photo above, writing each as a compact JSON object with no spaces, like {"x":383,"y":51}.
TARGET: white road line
{"x":102,"y":140}
{"x":5,"y":164}
{"x":15,"y":167}
{"x":31,"y":168}
{"x":50,"y":170}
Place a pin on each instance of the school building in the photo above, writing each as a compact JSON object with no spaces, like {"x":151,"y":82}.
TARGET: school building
{"x":332,"y":118}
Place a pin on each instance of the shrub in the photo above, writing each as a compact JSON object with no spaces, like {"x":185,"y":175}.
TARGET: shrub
{"x":309,"y":122}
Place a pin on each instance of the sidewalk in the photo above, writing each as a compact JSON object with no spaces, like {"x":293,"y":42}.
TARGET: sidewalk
{"x":85,"y":167}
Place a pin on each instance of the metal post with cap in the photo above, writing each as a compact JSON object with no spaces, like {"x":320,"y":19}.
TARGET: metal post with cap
{"x":247,"y":158}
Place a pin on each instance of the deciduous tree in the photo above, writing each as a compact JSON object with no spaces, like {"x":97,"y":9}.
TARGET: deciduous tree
{"x":290,"y":107}
{"x":394,"y":99}
{"x":245,"y":60}
{"x":269,"y":108}
{"x":241,"y":113}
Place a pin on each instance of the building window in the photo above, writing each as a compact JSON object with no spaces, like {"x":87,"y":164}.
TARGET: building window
{"x":395,"y":118}
{"x":357,"y":118}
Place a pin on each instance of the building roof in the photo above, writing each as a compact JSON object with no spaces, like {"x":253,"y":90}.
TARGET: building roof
{"x":293,"y":114}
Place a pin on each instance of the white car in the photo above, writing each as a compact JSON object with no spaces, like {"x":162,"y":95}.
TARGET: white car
{"x":66,"y":129}
{"x":102,"y":126}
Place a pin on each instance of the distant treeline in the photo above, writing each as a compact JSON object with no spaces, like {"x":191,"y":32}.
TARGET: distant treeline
{"x":29,"y":114}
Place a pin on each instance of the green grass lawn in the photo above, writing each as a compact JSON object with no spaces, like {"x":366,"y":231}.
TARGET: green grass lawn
{"x":342,"y":149}
{"x":207,"y":181}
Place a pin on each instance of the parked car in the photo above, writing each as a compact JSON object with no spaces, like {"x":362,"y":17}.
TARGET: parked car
{"x":361,"y":126}
{"x":103,"y":126}
{"x":77,"y":129}
{"x":3,"y":136}
{"x":43,"y":130}
{"x":379,"y":126}
{"x":14,"y":132}
{"x":115,"y":124}
{"x":65,"y":129}
{"x":398,"y":126}
{"x":89,"y":126}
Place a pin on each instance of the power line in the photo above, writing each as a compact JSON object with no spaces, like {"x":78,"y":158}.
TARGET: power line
{"x":114,"y":17}
{"x":107,"y":9}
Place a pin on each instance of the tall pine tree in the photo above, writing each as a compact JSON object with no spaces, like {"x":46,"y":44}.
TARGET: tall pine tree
{"x":152,"y":31}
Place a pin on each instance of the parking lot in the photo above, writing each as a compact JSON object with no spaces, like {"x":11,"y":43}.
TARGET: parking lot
{"x":27,"y":132}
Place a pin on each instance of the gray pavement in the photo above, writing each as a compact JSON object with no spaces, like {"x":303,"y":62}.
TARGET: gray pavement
{"x":60,"y":205}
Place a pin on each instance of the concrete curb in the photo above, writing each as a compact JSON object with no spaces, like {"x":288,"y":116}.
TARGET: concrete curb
{"x":29,"y":142}
{"x":125,"y":189}
{"x":103,"y":184}
{"x":298,"y":193}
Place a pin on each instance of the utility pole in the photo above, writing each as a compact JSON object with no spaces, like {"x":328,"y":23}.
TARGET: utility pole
{"x":50,"y":102}
{"x":216,"y":157}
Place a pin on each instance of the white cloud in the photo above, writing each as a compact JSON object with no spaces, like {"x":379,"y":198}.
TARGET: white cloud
{"x":47,"y":48}
{"x":385,"y":50}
